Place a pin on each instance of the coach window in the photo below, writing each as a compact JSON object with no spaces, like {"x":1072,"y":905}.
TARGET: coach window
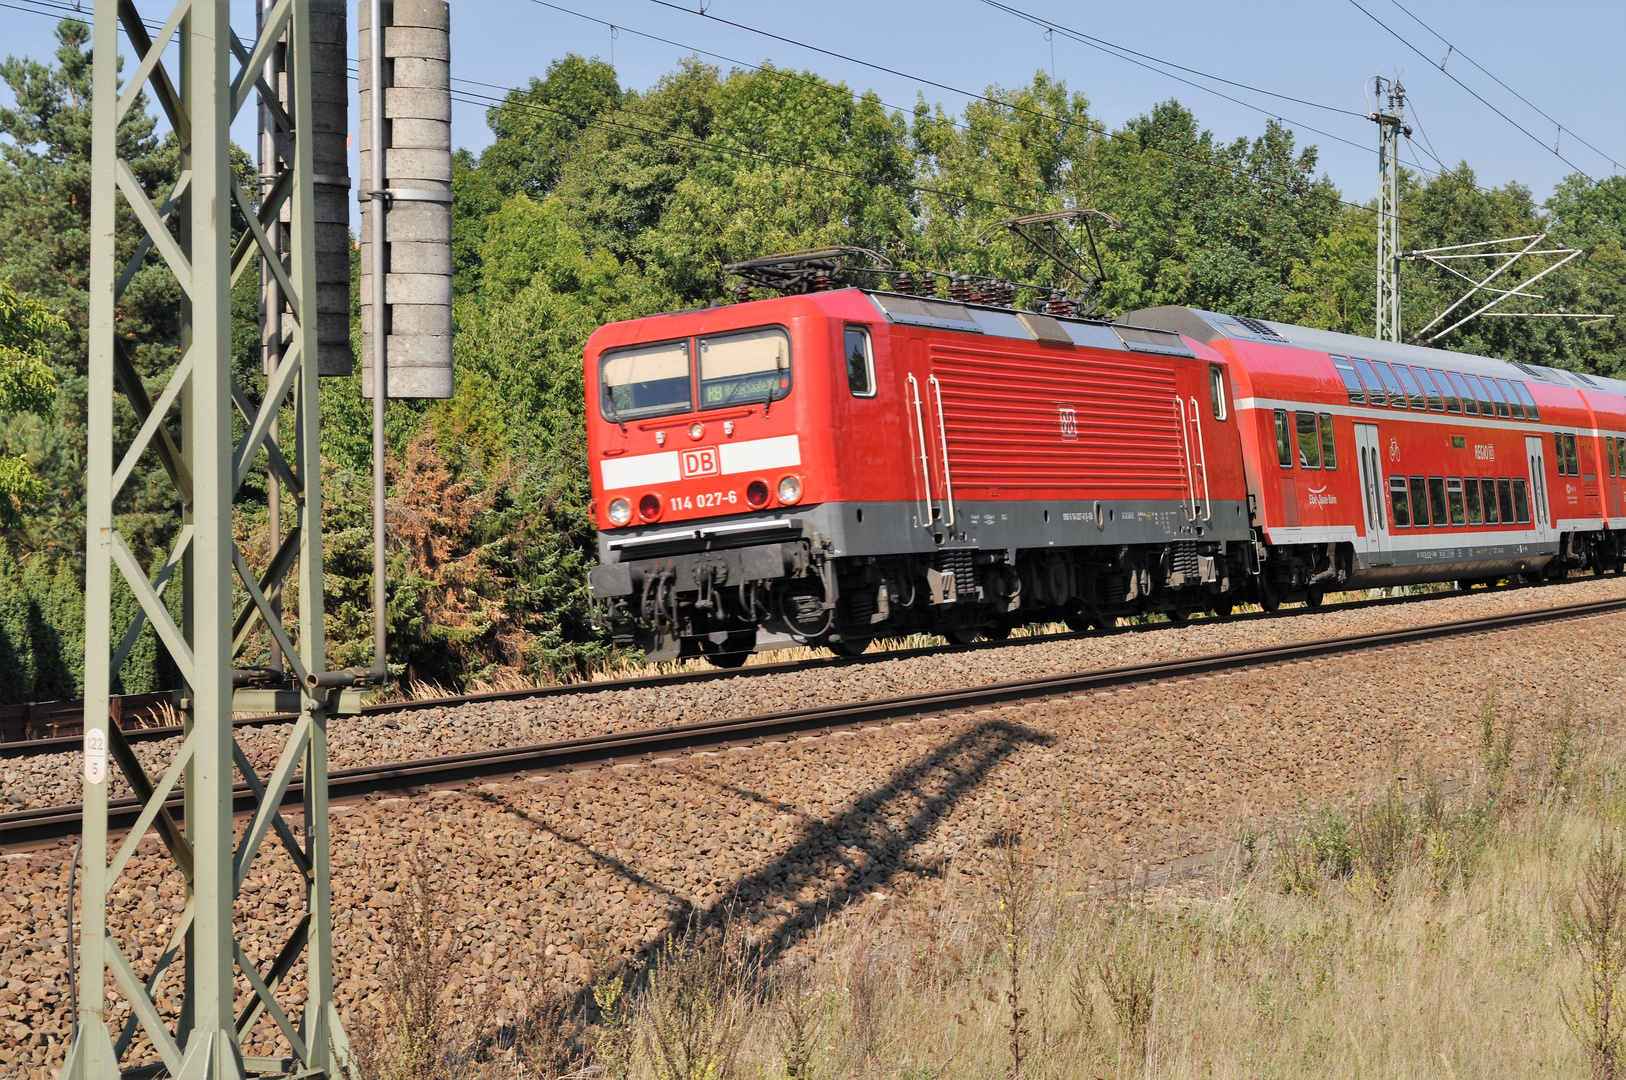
{"x":1309,"y":441}
{"x":1352,"y":381}
{"x":1414,"y":392}
{"x":1329,"y":450}
{"x":1521,"y":503}
{"x":1620,"y":453}
{"x":1530,"y":409}
{"x":1453,"y":404}
{"x":1397,"y":396}
{"x":1458,"y":383}
{"x":1512,"y":396}
{"x":1284,"y":441}
{"x":1609,"y":452}
{"x":1504,"y":499}
{"x":1436,"y":400}
{"x":1470,"y":491}
{"x":860,"y":362}
{"x":1436,"y":500}
{"x":1503,"y":412}
{"x":1419,"y":501}
{"x":1398,"y":509}
{"x":1572,"y":462}
{"x":1453,"y":500}
{"x":1558,"y":453}
{"x":1487,"y":407}
{"x":749,"y":366}
{"x":651,"y":380}
{"x":1488,"y":486}
{"x":1374,"y":388}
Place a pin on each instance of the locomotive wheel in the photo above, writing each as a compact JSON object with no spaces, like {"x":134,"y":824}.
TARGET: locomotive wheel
{"x":1313,"y":598}
{"x":733,"y":652}
{"x":1178,"y":616}
{"x":1077,"y":622}
{"x":997,"y":632}
{"x":850,"y":646}
{"x":1269,"y":598}
{"x":1222,"y":609}
{"x":961,"y":635}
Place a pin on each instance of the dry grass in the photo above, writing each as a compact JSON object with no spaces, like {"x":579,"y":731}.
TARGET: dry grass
{"x":1421,"y":933}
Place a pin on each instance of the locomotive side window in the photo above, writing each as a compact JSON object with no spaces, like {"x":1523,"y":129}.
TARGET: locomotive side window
{"x":1504,"y":499}
{"x":1469,"y":405}
{"x":1398,"y":510}
{"x":1436,"y":500}
{"x":650,"y":380}
{"x":1491,"y":502}
{"x":1284,"y":441}
{"x":860,"y":362}
{"x":1530,"y":409}
{"x":1414,"y":392}
{"x":1521,"y":503}
{"x":750,"y":366}
{"x":1453,"y":498}
{"x":1419,"y":501}
{"x":1374,"y":388}
{"x":1436,"y":400}
{"x":1352,"y":381}
{"x":1309,"y":440}
{"x":1216,"y":390}
{"x":1512,"y":396}
{"x":1329,"y":451}
{"x":1453,"y":403}
{"x":1571,"y":461}
{"x":1487,"y":408}
{"x":1470,"y":490}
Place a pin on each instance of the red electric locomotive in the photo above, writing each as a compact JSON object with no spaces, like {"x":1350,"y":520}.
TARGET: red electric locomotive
{"x":851,"y":463}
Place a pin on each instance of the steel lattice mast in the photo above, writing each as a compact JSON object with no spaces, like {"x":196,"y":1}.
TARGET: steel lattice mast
{"x":206,"y":466}
{"x":1391,"y":126}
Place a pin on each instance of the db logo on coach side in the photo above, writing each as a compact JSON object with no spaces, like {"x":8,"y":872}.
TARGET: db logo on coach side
{"x":701,"y":462}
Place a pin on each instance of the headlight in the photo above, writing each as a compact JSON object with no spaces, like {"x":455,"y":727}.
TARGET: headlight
{"x":790,"y":490}
{"x":756,"y":493}
{"x":649,"y":507}
{"x":696,"y":430}
{"x":620,"y":511}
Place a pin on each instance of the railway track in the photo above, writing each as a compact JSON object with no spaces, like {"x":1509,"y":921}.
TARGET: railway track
{"x":45,"y":824}
{"x":70,"y":742}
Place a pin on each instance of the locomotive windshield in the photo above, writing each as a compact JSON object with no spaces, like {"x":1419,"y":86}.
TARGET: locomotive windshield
{"x":651,"y":380}
{"x":749,"y":366}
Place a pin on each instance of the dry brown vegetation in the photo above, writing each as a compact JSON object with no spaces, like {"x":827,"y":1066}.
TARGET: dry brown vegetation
{"x":1422,"y":932}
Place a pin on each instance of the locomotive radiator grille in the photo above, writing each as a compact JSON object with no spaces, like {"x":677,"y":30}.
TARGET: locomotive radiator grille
{"x":1183,"y":560}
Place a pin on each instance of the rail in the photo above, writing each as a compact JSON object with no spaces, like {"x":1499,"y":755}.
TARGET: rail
{"x":49,"y":823}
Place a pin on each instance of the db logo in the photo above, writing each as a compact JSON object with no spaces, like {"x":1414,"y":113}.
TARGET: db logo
{"x":1068,"y":418}
{"x":701,"y":462}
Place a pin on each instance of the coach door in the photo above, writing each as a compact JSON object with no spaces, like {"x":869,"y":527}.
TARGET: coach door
{"x":1376,"y":542}
{"x":1541,"y":517}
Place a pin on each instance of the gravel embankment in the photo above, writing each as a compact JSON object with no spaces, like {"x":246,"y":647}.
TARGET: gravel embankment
{"x":543,"y":879}
{"x":54,"y":779}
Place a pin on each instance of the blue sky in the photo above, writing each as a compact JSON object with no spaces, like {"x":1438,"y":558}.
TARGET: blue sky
{"x":1562,"y":57}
